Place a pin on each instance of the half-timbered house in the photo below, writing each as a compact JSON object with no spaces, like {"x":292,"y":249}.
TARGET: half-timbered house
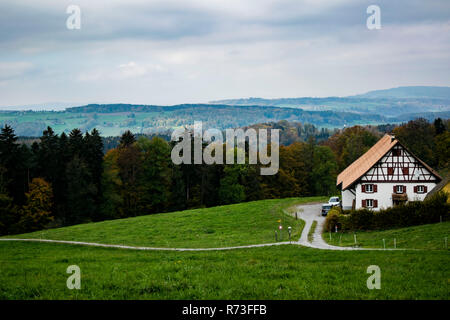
{"x":386,"y":175}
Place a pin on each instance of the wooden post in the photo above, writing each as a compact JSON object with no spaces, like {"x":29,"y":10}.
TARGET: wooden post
{"x":354,"y":236}
{"x":384,"y":244}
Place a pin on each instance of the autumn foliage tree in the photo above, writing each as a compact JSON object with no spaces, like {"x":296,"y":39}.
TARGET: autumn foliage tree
{"x":36,"y":213}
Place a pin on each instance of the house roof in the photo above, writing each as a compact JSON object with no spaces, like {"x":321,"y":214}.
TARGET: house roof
{"x":363,"y":164}
{"x":440,"y":186}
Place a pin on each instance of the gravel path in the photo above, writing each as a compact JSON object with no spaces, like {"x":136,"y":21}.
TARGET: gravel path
{"x":93,"y":244}
{"x":309,"y":213}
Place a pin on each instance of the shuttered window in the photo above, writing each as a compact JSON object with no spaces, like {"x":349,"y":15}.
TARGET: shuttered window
{"x":420,"y":189}
{"x":369,"y":188}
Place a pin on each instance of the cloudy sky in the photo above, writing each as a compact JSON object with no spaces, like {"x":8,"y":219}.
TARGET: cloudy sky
{"x":186,"y":51}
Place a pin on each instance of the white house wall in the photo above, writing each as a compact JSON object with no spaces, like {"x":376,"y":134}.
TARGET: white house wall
{"x":385,"y":191}
{"x":347,"y":199}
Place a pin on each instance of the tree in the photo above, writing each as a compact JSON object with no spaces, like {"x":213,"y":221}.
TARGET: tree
{"x":324,"y":172}
{"x":156,"y":175}
{"x":80,"y":192}
{"x":439,"y":126}
{"x":75,"y":144}
{"x":351,"y":143}
{"x":230,"y":190}
{"x":129,"y":163}
{"x":36,"y":213}
{"x":442,"y":142}
{"x":12,"y":158}
{"x":93,"y":155}
{"x":111,"y":187}
{"x":8,"y":215}
{"x":127,"y":139}
{"x":417,"y":135}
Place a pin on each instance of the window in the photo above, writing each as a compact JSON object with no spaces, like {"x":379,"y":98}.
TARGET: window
{"x":369,"y":188}
{"x":405,"y":171}
{"x":390,"y":171}
{"x":369,"y":203}
{"x":399,"y":189}
{"x":420,"y":189}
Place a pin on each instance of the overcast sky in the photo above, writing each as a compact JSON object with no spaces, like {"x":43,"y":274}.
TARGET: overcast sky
{"x":187,"y":51}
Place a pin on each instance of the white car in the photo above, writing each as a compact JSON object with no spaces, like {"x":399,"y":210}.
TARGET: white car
{"x":334,"y":201}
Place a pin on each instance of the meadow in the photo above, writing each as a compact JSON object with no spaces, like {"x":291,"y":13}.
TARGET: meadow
{"x":30,"y":270}
{"x":427,"y":237}
{"x":38,"y":271}
{"x":233,"y":225}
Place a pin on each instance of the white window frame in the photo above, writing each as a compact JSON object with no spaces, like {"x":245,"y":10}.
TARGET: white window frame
{"x":420,"y":189}
{"x":367,"y":186}
{"x":369,"y":201}
{"x":399,"y":189}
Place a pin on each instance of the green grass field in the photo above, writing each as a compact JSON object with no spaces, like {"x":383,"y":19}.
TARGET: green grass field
{"x":38,"y":271}
{"x":30,"y":270}
{"x":429,"y":237}
{"x":233,"y":225}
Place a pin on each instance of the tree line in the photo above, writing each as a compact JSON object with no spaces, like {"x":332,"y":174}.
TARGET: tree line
{"x":61,"y":180}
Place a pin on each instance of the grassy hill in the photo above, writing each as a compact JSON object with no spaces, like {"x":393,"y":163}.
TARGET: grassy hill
{"x":232,"y":225}
{"x":38,"y":270}
{"x":429,"y":236}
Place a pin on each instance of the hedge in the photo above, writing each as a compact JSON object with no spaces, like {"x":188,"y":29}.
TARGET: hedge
{"x":431,"y":210}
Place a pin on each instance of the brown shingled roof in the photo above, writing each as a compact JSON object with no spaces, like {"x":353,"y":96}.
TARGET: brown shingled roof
{"x":361,"y":165}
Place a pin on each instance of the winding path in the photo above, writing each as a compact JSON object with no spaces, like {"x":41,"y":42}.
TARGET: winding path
{"x":312,"y":212}
{"x":308,"y":212}
{"x":93,"y":244}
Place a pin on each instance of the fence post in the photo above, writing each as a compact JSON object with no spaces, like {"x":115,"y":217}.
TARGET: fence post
{"x":354,"y":236}
{"x":384,"y":244}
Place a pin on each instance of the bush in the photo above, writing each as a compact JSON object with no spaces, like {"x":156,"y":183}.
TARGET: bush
{"x":410,"y":214}
{"x":332,"y":219}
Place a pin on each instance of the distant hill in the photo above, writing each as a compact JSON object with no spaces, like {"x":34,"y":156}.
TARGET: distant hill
{"x":412,"y":92}
{"x":114,"y":119}
{"x":390,"y":102}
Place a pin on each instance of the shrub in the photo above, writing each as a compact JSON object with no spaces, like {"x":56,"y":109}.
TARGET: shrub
{"x":410,"y":214}
{"x":332,"y":219}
